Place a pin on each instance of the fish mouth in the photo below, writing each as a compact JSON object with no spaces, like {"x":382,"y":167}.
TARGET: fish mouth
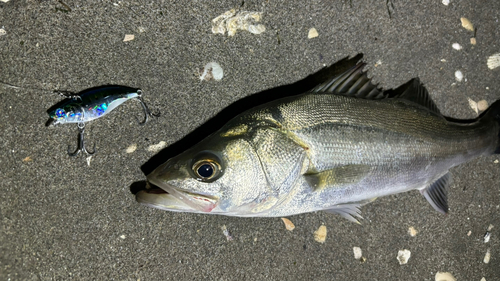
{"x":167,"y":197}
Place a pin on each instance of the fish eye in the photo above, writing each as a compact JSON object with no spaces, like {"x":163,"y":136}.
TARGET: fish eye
{"x":206,"y":170}
{"x":206,"y":167}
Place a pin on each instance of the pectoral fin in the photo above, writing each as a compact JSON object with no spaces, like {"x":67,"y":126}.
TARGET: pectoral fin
{"x":339,"y":176}
{"x":436,"y":193}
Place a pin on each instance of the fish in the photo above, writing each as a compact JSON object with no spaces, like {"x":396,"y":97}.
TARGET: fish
{"x":334,"y":148}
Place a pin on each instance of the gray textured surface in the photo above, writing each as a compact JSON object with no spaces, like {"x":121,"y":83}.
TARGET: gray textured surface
{"x":61,"y":219}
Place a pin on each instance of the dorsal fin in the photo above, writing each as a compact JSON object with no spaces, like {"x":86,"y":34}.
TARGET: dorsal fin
{"x":355,"y":83}
{"x":416,"y":92}
{"x":352,"y":83}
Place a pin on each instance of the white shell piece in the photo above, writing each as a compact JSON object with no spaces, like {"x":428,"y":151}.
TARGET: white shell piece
{"x":494,"y":61}
{"x":320,"y":234}
{"x":446,"y":2}
{"x":487,"y":237}
{"x":456,"y":46}
{"x":2,"y":31}
{"x":482,"y":105}
{"x":412,"y":231}
{"x":157,"y":147}
{"x":128,"y":37}
{"x":487,"y":256}
{"x":473,"y":105}
{"x":288,"y":224}
{"x":467,"y":24}
{"x":459,"y":76}
{"x":212,"y":70}
{"x":131,"y":148}
{"x":313,"y":33}
{"x":444,"y":276}
{"x":403,"y":256}
{"x":233,"y":20}
{"x":358,"y":254}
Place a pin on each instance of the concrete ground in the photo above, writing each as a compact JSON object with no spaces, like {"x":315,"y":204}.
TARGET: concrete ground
{"x":64,"y":219}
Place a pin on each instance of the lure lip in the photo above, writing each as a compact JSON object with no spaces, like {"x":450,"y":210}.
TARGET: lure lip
{"x":52,"y":122}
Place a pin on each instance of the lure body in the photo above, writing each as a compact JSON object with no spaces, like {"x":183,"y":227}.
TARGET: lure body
{"x":91,"y":104}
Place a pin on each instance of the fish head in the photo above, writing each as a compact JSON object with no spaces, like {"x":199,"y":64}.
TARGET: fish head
{"x":220,"y":175}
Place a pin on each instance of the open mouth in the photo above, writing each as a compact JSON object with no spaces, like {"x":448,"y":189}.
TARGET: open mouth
{"x":172,"y":199}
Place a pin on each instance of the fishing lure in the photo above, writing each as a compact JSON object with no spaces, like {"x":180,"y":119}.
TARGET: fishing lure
{"x":92,"y":104}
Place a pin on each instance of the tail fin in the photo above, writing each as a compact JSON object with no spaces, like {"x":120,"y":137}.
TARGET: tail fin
{"x":494,"y":112}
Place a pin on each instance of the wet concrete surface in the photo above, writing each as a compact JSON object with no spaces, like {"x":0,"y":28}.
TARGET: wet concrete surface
{"x":64,"y":219}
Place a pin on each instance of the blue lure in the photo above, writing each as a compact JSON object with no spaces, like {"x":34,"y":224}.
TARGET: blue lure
{"x":92,"y":104}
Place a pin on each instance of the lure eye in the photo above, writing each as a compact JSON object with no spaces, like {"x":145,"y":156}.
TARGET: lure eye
{"x":207,"y":170}
{"x":60,"y":113}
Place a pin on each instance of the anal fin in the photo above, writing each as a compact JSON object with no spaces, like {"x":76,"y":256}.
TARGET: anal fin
{"x":436,"y":193}
{"x":350,"y":211}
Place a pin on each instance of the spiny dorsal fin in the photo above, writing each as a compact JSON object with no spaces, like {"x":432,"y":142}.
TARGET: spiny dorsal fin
{"x":414,"y":91}
{"x":355,"y":83}
{"x":352,"y":83}
{"x":436,"y":194}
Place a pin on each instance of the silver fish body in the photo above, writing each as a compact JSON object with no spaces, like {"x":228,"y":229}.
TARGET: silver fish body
{"x":335,"y":148}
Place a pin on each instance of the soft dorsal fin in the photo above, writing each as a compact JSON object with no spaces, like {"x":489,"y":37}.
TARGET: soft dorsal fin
{"x":352,"y":83}
{"x":414,"y":91}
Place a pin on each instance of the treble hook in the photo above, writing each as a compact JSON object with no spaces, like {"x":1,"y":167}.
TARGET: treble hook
{"x":81,"y":142}
{"x":147,"y":112}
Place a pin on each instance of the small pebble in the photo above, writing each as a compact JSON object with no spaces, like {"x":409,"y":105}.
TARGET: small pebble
{"x":27,"y":159}
{"x":469,"y":233}
{"x":459,"y":76}
{"x":320,"y":234}
{"x":123,"y":236}
{"x":473,"y":41}
{"x":446,"y":2}
{"x":403,"y":256}
{"x":313,"y":33}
